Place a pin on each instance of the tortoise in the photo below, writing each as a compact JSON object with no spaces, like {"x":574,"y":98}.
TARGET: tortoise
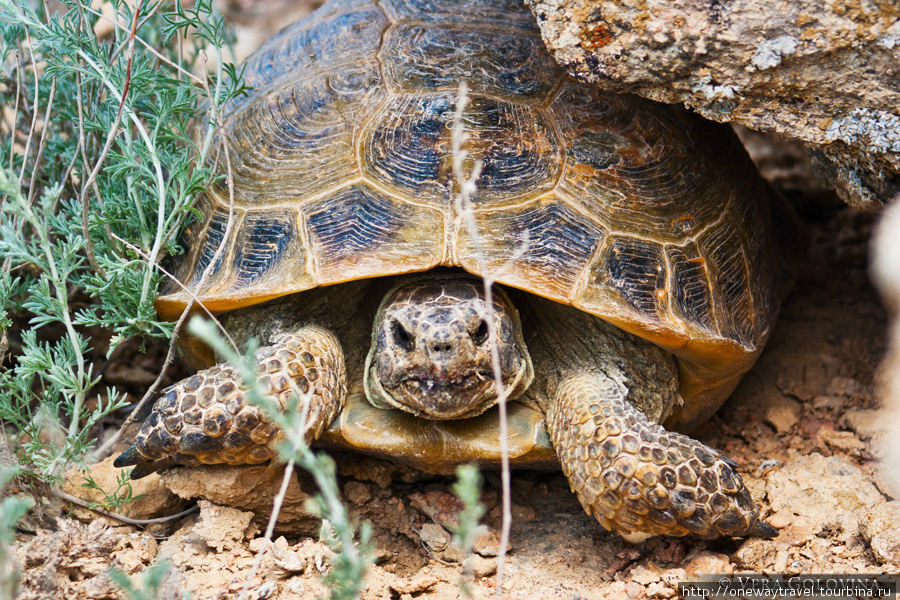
{"x":636,"y":263}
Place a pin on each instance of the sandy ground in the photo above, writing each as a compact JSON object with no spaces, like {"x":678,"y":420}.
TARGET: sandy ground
{"x":805,"y":426}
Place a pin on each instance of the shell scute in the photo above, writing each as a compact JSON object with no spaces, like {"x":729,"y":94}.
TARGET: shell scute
{"x":547,"y":241}
{"x":634,"y":270}
{"x":266,"y":241}
{"x":422,"y":57}
{"x":324,"y":38}
{"x":407,"y":148}
{"x":689,"y":285}
{"x":299,"y":139}
{"x":359,"y":231}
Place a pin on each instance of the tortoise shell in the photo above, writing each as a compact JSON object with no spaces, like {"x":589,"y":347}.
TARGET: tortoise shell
{"x":642,"y":214}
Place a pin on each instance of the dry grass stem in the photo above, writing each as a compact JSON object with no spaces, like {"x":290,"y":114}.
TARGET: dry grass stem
{"x":112,"y":515}
{"x":467,"y":188}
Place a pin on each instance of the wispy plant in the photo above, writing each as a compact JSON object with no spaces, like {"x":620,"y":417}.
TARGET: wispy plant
{"x":100,"y":162}
{"x":151,"y":584}
{"x":115,"y":499}
{"x":468,"y":489}
{"x":11,"y":510}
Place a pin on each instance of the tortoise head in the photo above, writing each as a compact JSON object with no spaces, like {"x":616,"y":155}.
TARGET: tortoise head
{"x":431,"y":349}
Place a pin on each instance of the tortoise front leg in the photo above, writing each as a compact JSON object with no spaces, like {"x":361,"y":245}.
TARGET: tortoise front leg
{"x":636,"y":477}
{"x":206,"y":419}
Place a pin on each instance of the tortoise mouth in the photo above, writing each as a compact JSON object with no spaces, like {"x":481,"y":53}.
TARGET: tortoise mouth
{"x":445,"y":398}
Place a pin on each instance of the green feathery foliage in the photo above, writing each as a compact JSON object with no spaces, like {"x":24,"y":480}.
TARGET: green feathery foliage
{"x":100,"y":161}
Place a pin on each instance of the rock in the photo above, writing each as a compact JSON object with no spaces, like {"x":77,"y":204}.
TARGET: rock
{"x":481,"y":566}
{"x":301,"y":558}
{"x":671,"y":577}
{"x":134,"y":552}
{"x":419,"y":583}
{"x":841,"y":440}
{"x":646,"y":574}
{"x":882,"y":518}
{"x":71,"y":562}
{"x":453,"y":554}
{"x":781,"y":519}
{"x":783,"y":162}
{"x":781,"y":560}
{"x":708,"y":563}
{"x":886,"y":547}
{"x":438,"y":505}
{"x":221,"y":527}
{"x":380,"y":472}
{"x":844,"y":386}
{"x":157,"y":501}
{"x":823,"y":494}
{"x":828,"y":402}
{"x":783,"y":415}
{"x":434,"y":536}
{"x":250,"y":488}
{"x":659,"y":590}
{"x":357,"y":493}
{"x":886,"y":480}
{"x":822,"y":73}
{"x":755,"y":554}
{"x":869,"y":424}
{"x":487,"y":544}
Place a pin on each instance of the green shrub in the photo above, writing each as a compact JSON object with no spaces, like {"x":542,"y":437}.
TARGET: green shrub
{"x":99,"y":165}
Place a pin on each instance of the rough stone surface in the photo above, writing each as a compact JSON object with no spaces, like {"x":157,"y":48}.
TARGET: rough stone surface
{"x":481,"y":566}
{"x":250,"y":488}
{"x":155,"y":500}
{"x":487,"y":544}
{"x":783,"y":415}
{"x":824,"y":73}
{"x":222,"y":527}
{"x":880,"y":519}
{"x":357,"y":492}
{"x":705,"y":563}
{"x":886,"y":547}
{"x":823,"y":493}
{"x":434,"y":536}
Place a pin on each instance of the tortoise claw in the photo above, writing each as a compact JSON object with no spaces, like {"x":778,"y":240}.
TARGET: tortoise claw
{"x":143,"y":466}
{"x":761,"y":529}
{"x":129,"y":458}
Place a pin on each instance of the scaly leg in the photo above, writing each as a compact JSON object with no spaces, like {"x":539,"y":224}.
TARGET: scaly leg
{"x":636,"y":477}
{"x":206,"y":419}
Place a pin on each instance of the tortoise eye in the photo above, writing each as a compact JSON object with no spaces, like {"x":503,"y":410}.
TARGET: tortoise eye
{"x":403,"y":338}
{"x":481,"y":334}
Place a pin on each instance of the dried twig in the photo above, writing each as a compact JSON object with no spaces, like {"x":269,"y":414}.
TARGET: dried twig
{"x":35,"y":170}
{"x":181,"y":70}
{"x":139,"y":522}
{"x":464,"y":208}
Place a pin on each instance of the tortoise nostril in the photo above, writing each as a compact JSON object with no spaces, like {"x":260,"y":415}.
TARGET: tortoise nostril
{"x":441,"y":347}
